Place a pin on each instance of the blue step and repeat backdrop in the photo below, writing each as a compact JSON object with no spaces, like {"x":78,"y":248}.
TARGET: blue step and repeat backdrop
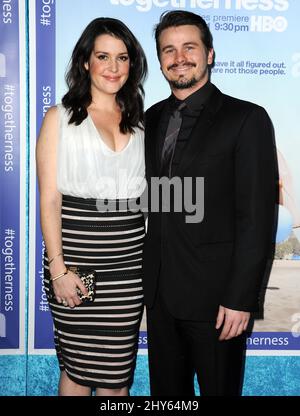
{"x":257,"y":59}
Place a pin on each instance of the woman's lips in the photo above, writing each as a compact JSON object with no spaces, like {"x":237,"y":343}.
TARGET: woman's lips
{"x":112,"y":79}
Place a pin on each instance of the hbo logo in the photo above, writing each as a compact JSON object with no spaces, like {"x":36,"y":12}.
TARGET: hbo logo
{"x":268,"y":23}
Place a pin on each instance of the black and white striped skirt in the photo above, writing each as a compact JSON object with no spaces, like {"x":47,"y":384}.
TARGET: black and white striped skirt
{"x":96,"y":343}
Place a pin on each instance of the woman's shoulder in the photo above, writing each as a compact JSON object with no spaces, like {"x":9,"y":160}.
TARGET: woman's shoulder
{"x":138,"y":135}
{"x":55,"y":111}
{"x":49,"y":125}
{"x":61,"y":113}
{"x":139,"y":131}
{"x":52,"y":111}
{"x":55,"y":115}
{"x":51,"y":116}
{"x":61,"y":109}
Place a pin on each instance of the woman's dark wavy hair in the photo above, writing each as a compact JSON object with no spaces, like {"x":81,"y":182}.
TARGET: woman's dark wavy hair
{"x":182,"y":17}
{"x":129,"y":97}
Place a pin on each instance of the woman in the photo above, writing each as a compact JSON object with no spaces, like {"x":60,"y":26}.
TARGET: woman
{"x":90,"y":151}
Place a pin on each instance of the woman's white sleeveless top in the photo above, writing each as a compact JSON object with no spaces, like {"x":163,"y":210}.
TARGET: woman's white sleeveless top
{"x":88,"y":168}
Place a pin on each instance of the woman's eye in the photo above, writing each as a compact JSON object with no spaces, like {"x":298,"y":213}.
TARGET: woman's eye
{"x":124,"y":58}
{"x":102,"y":57}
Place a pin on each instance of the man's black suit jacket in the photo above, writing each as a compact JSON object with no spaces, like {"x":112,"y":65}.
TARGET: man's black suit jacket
{"x":223,"y":259}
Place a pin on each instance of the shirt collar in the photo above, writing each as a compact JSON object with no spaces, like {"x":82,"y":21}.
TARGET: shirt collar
{"x":195,"y":101}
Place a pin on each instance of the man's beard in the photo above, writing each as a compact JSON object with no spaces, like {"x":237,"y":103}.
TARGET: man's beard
{"x":182,"y":85}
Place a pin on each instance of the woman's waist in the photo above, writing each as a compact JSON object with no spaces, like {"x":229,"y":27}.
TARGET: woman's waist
{"x":102,"y":205}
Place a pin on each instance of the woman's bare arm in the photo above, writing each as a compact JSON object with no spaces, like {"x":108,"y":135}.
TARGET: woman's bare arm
{"x":50,"y":208}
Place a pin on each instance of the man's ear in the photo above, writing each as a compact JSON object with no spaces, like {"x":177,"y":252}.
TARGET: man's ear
{"x":210,"y":57}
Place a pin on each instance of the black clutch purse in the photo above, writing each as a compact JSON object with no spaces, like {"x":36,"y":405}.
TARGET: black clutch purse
{"x":88,"y":278}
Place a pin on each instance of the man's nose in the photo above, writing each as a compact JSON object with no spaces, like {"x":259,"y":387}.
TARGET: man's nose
{"x":180,"y":56}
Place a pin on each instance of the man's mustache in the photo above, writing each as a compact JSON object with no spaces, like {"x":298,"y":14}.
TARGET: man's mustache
{"x":176,"y":65}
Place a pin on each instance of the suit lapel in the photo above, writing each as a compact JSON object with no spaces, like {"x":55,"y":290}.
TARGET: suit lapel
{"x":199,"y":136}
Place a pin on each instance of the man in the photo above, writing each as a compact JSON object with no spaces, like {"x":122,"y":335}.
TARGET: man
{"x":202,"y":279}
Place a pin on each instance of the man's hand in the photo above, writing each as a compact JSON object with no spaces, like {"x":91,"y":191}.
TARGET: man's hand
{"x":235,"y":322}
